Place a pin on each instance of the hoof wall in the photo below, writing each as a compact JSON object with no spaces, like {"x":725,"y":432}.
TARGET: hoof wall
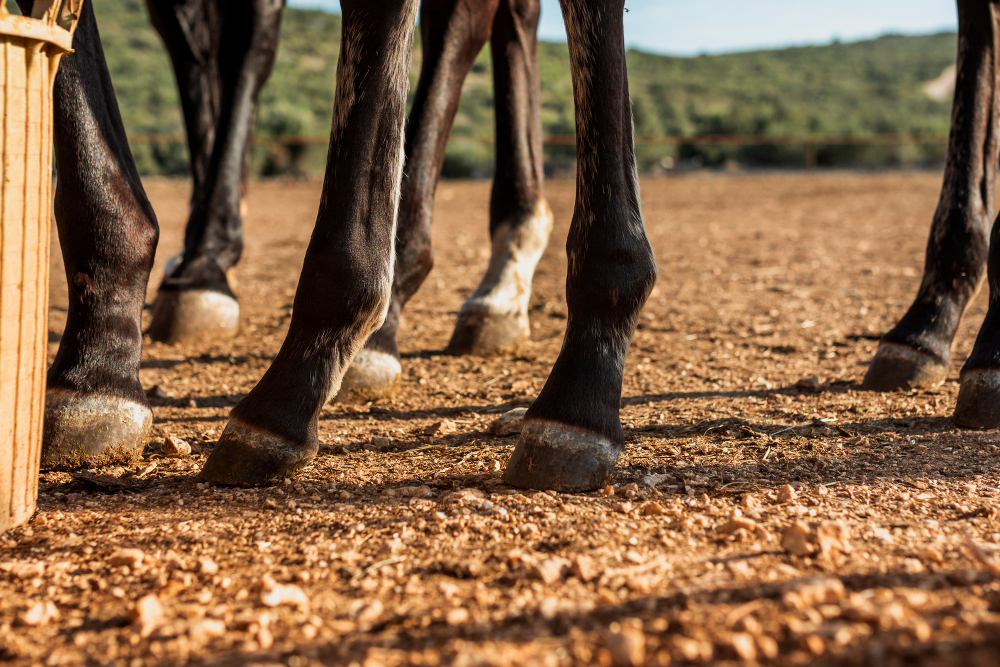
{"x":897,"y":366}
{"x":556,"y":456}
{"x":250,"y":456}
{"x":194,"y":315}
{"x":372,"y":376}
{"x":89,"y":431}
{"x":978,"y":404}
{"x":483,"y":334}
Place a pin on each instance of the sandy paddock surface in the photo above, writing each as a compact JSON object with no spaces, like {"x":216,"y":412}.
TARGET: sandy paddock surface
{"x":758,"y":514}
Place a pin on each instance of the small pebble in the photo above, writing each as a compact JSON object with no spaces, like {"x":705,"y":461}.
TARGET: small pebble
{"x":786,"y":494}
{"x":175,"y":448}
{"x":129,"y":557}
{"x":40,"y":613}
{"x":273,"y":594}
{"x":508,"y":423}
{"x":147,"y":614}
{"x":443,"y":427}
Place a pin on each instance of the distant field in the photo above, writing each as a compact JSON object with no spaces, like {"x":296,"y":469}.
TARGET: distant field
{"x":874,"y":86}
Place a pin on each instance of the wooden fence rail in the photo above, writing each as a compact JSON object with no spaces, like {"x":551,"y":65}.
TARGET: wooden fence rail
{"x":811,"y":142}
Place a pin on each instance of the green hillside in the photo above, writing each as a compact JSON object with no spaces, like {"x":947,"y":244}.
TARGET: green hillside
{"x":856,"y":88}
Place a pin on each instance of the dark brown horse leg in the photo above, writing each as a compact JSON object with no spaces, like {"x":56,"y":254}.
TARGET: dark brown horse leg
{"x":572,"y":436}
{"x":222,"y":51}
{"x":345,"y":286}
{"x":95,"y":410}
{"x":453,"y":32}
{"x":917,"y":351}
{"x":494,"y":319}
{"x":978,"y":403}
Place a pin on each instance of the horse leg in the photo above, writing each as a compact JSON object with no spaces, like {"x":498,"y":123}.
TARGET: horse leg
{"x":572,"y":436}
{"x":917,"y":351}
{"x":345,"y":286}
{"x":222,"y":54}
{"x":95,"y":410}
{"x":494,"y":319}
{"x":453,"y":32}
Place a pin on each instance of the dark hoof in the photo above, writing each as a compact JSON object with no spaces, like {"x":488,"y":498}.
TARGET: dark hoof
{"x":89,"y":431}
{"x":556,"y":456}
{"x":978,"y":404}
{"x":251,"y":456}
{"x":897,"y":366}
{"x":190,"y":316}
{"x":372,"y":376}
{"x":486,"y":334}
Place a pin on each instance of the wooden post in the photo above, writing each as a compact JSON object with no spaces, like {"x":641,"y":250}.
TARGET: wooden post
{"x":30,"y":49}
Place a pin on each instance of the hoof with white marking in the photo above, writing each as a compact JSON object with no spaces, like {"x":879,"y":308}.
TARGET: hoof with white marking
{"x":89,"y":431}
{"x":897,"y":366}
{"x":372,"y":376}
{"x":248,"y":455}
{"x":978,"y":404}
{"x":187,"y":316}
{"x":550,"y":455}
{"x":484,"y":334}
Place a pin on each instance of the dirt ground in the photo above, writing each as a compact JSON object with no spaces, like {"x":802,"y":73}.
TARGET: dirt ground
{"x":758,"y":514}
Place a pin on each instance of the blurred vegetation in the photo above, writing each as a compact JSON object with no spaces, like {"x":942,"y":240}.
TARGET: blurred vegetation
{"x":858,"y":88}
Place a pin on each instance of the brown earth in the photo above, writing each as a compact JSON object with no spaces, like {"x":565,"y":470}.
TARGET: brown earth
{"x":407,"y":548}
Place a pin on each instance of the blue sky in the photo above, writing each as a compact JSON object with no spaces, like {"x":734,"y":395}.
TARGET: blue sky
{"x":690,"y":27}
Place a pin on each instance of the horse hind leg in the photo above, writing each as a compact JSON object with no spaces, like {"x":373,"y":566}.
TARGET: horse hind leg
{"x":572,"y":436}
{"x":494,"y":319}
{"x":917,"y":351}
{"x":95,"y":410}
{"x":453,"y":32}
{"x":344,"y":289}
{"x":222,"y":55}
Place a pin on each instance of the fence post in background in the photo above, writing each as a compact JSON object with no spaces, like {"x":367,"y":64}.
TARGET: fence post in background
{"x":810,"y":155}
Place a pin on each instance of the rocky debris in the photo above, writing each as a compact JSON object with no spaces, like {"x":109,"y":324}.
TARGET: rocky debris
{"x":626,"y":644}
{"x":737,"y":522}
{"x":207,"y":566}
{"x":131,"y":558}
{"x":380,"y":443}
{"x":816,"y":539}
{"x":466,"y":495}
{"x":456,"y":616}
{"x":652,"y":508}
{"x":655,"y":479}
{"x":443,"y":427}
{"x":39,"y":613}
{"x":787,"y":494}
{"x":204,"y":630}
{"x":273,"y":594}
{"x":23,"y":571}
{"x":808,"y":383}
{"x":175,"y":448}
{"x":156,"y":391}
{"x":509,"y":423}
{"x":813,"y":591}
{"x":548,"y":570}
{"x":584,"y":568}
{"x":366,"y":612}
{"x":744,"y":646}
{"x":147,"y":615}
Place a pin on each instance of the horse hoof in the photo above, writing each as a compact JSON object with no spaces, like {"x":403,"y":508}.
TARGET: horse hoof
{"x":978,"y":404}
{"x":188,"y":316}
{"x":89,"y":431}
{"x":372,"y":376}
{"x":556,"y":456}
{"x":248,"y":455}
{"x":897,"y":366}
{"x":485,"y":334}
